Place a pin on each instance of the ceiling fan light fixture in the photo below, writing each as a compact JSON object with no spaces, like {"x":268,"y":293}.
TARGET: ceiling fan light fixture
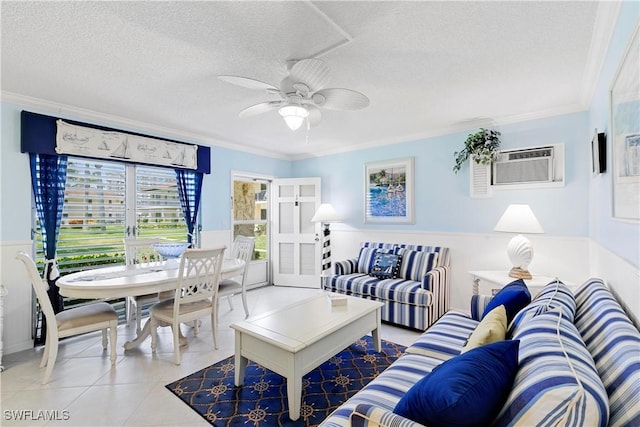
{"x":293,"y":115}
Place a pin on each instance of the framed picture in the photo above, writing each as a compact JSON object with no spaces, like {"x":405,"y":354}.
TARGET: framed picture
{"x":625,"y":134}
{"x":389,"y":191}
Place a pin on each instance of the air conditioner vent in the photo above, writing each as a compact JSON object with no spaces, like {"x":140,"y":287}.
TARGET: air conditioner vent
{"x":531,"y":154}
{"x":524,"y":166}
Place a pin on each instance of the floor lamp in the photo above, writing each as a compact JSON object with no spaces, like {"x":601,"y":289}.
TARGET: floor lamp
{"x":325,"y":215}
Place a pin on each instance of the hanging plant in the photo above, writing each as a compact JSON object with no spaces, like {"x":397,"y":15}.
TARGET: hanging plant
{"x":481,"y":146}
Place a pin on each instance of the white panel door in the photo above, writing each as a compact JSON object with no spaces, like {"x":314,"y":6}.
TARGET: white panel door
{"x":296,"y":248}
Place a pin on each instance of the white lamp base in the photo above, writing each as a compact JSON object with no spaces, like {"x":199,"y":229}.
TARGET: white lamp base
{"x":520,"y":253}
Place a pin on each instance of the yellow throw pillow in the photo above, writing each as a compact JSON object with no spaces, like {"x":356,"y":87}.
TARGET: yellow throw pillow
{"x":492,"y":328}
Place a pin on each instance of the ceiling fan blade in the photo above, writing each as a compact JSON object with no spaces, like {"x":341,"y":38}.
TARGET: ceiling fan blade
{"x":314,"y":73}
{"x":247,"y":83}
{"x":340,"y":99}
{"x":263,"y":107}
{"x":314,"y":116}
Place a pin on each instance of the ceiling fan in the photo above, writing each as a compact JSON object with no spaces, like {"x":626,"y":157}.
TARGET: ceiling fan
{"x":302,"y":94}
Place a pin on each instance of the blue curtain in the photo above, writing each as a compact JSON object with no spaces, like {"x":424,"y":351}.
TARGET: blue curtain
{"x":189,"y":190}
{"x":48,"y":177}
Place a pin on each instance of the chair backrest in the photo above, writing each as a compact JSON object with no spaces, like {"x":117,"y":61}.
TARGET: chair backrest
{"x":138,"y":251}
{"x":243,"y":248}
{"x":199,"y":275}
{"x":39,"y":286}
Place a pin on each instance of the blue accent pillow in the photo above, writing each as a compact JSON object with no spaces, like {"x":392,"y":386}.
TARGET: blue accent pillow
{"x":385,"y":266}
{"x":467,"y":390}
{"x":514,"y":296}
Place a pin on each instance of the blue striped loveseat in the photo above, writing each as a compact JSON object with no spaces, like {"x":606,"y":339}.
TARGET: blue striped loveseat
{"x":578,"y":364}
{"x":416,"y":298}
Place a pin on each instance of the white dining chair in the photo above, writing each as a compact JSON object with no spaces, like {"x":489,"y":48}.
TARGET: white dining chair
{"x":92,"y":317}
{"x":138,"y":251}
{"x":196,"y":295}
{"x":242,"y":249}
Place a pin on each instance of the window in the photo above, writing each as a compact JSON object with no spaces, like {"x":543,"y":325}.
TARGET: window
{"x":250,"y":208}
{"x":107,"y":201}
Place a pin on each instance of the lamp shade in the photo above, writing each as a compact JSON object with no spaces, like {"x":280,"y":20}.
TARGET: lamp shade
{"x":293,"y":115}
{"x":518,"y":219}
{"x":325,"y":214}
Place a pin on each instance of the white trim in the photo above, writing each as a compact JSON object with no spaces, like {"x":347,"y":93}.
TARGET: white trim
{"x":448,"y":130}
{"x":603,"y":28}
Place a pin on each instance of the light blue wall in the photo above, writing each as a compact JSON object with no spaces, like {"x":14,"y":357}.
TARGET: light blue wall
{"x":15,"y":184}
{"x":443,"y":203}
{"x":622,"y":238}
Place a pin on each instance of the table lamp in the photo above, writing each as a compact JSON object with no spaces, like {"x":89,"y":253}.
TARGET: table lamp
{"x":519,"y":219}
{"x":325,"y":215}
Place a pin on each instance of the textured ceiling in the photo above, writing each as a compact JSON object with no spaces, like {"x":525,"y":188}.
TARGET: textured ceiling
{"x":427,"y":67}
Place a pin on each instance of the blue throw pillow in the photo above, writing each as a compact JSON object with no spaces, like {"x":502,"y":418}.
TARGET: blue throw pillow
{"x":467,"y":390}
{"x":385,"y":266}
{"x":514,"y":296}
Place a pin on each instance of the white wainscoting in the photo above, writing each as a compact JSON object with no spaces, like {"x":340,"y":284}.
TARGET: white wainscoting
{"x":564,"y":257}
{"x":621,"y":276}
{"x":18,"y":302}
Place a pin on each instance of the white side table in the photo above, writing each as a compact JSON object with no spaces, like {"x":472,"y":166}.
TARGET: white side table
{"x":497,"y":279}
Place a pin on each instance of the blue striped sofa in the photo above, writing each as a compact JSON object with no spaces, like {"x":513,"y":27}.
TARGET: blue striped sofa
{"x":578,"y":364}
{"x":416,"y":298}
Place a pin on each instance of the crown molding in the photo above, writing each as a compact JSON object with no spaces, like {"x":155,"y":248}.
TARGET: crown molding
{"x":603,"y":28}
{"x":82,"y":114}
{"x":454,"y":128}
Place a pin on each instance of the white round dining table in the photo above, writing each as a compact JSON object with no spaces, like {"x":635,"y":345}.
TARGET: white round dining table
{"x":140,"y":279}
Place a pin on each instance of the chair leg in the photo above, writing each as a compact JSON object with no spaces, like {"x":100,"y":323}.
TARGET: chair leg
{"x":45,"y":353}
{"x":104,"y":339}
{"x":153,"y":324}
{"x":138,"y":317}
{"x":244,"y":303}
{"x":214,"y":329}
{"x":176,"y":343}
{"x":128,"y":309}
{"x":51,"y":360}
{"x":230,"y":301}
{"x":113,"y":333}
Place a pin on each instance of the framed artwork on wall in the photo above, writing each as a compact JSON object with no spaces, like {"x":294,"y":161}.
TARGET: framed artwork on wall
{"x":389,"y":191}
{"x":625,"y":132}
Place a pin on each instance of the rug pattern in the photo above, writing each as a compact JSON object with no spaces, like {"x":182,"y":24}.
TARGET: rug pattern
{"x":262,"y":400}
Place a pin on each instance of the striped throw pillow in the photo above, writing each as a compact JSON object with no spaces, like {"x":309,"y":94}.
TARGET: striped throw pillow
{"x":416,"y":264}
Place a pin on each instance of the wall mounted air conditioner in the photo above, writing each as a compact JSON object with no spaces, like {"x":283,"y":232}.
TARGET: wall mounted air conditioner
{"x":524,"y":166}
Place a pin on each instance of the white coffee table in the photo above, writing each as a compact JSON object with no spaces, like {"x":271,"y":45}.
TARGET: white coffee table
{"x":295,"y":339}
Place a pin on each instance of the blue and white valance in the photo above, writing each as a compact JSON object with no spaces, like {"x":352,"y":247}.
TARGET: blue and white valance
{"x":101,"y":144}
{"x":39,"y":135}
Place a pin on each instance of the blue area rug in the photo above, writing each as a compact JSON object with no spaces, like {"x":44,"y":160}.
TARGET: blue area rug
{"x":262,"y":400}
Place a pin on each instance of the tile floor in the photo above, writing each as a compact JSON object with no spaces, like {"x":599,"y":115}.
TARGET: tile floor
{"x":85,"y":391}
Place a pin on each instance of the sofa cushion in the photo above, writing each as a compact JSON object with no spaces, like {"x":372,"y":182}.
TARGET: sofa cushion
{"x":557,"y":382}
{"x":514,"y":296}
{"x":491,"y":329}
{"x":467,"y":390}
{"x":416,"y":264}
{"x":386,"y":389}
{"x":363,"y":285}
{"x":554,"y":295}
{"x":444,"y":339}
{"x":614,"y":343}
{"x":386,"y":266}
{"x":365,"y":260}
